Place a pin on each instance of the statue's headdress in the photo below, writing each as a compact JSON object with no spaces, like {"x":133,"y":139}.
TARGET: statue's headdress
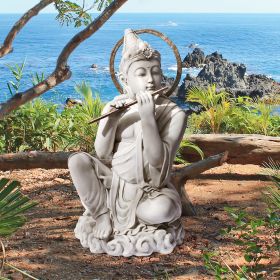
{"x":135,"y":49}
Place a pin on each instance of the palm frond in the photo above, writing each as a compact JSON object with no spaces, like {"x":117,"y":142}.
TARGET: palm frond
{"x":272,"y":169}
{"x":12,"y":205}
{"x":189,"y":145}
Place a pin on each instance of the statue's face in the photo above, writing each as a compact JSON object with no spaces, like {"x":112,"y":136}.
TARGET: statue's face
{"x":144,"y":75}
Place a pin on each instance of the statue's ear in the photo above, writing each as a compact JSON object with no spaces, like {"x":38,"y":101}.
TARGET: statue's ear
{"x":122,"y":78}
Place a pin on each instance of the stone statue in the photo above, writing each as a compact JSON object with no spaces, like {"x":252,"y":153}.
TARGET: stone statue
{"x":131,"y":208}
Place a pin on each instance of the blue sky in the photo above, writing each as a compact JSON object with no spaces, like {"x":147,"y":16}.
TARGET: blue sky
{"x":185,"y":6}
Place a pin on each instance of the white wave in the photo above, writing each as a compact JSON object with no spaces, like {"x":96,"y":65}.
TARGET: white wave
{"x":194,"y":71}
{"x":172,"y":23}
{"x":193,"y":46}
{"x":169,"y":23}
{"x":100,"y":70}
{"x":184,"y":70}
{"x":172,"y":68}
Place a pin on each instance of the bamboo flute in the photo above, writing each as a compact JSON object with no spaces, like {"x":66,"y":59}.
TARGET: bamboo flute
{"x":159,"y":91}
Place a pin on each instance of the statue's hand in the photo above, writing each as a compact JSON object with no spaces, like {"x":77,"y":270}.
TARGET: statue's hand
{"x":146,"y":105}
{"x":119,"y":101}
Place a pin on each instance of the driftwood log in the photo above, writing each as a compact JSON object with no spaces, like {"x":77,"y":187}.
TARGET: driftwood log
{"x":34,"y":159}
{"x":242,"y":148}
{"x":47,"y":160}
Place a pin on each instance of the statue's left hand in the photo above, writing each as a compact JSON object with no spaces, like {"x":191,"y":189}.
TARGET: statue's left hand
{"x":146,"y":104}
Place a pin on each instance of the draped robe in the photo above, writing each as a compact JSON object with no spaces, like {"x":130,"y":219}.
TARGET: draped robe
{"x":131,"y":172}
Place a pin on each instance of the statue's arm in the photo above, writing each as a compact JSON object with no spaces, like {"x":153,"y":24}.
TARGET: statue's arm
{"x":153,"y":146}
{"x":152,"y":140}
{"x":170,"y":136}
{"x":175,"y":132}
{"x":105,"y":137}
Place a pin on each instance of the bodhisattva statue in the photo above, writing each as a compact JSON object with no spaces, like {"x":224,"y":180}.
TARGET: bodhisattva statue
{"x":131,"y":208}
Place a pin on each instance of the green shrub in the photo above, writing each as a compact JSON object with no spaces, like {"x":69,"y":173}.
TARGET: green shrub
{"x":38,"y":125}
{"x":216,"y":105}
{"x":224,"y":114}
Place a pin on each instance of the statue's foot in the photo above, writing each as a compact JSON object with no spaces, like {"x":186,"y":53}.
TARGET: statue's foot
{"x":103,"y":227}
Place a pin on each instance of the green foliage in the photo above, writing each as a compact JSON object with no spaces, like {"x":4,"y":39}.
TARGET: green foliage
{"x":224,"y":114}
{"x":39,"y":125}
{"x":213,"y":262}
{"x":37,"y":78}
{"x":248,"y":232}
{"x":186,"y":144}
{"x":12,"y":204}
{"x":216,"y":105}
{"x":73,"y":12}
{"x":17,"y":72}
{"x":75,"y":120}
{"x":272,"y":169}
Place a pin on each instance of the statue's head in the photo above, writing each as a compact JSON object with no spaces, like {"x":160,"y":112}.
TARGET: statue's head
{"x":140,"y":67}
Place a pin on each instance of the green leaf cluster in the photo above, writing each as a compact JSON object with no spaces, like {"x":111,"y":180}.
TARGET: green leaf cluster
{"x":78,"y":13}
{"x":12,"y":205}
{"x":224,"y":114}
{"x":17,"y":72}
{"x":41,"y":126}
{"x":185,"y":143}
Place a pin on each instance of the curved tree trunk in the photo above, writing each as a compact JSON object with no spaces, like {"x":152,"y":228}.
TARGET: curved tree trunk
{"x":62,"y":71}
{"x":7,"y":45}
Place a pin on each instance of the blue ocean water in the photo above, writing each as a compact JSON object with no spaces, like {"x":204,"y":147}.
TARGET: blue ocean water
{"x":252,"y":39}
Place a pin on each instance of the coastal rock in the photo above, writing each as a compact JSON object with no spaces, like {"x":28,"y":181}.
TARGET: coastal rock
{"x":195,"y":59}
{"x":94,"y":66}
{"x":227,"y":76}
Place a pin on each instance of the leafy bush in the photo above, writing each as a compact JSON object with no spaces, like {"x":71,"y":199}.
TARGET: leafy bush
{"x":224,"y":114}
{"x":38,"y":125}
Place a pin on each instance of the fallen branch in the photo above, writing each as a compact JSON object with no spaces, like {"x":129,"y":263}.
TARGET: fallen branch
{"x":62,"y":71}
{"x":48,"y":160}
{"x":194,"y":169}
{"x":180,"y":175}
{"x":34,"y":159}
{"x":242,"y":148}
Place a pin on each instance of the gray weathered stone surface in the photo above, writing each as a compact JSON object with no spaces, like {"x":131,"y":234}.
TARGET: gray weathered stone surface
{"x":227,"y":76}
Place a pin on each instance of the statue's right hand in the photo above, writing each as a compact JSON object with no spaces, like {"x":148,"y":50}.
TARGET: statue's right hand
{"x":119,"y":101}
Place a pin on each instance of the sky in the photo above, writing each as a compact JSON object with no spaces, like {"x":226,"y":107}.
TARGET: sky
{"x":167,"y":6}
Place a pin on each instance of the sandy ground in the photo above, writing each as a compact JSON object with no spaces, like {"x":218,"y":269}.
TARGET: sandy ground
{"x":47,"y":248}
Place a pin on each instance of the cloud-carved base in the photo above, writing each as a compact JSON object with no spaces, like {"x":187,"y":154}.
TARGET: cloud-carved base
{"x":143,"y":243}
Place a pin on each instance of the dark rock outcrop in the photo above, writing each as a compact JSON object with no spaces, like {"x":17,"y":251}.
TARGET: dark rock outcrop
{"x":227,"y":76}
{"x":195,"y":59}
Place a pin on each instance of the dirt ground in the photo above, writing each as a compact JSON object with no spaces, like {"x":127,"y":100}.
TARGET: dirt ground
{"x":47,"y":248}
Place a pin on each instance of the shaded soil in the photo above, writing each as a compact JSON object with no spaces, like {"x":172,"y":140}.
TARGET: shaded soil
{"x":47,"y":248}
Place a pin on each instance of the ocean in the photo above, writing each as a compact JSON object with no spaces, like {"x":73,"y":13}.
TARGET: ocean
{"x":252,"y":39}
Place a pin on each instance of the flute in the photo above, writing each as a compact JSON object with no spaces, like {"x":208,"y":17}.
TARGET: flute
{"x":159,"y":91}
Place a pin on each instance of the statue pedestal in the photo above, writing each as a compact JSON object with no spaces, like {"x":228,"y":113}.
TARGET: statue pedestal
{"x":143,"y":243}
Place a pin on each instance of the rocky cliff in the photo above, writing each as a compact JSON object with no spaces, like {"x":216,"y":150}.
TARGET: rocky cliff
{"x":226,"y":75}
